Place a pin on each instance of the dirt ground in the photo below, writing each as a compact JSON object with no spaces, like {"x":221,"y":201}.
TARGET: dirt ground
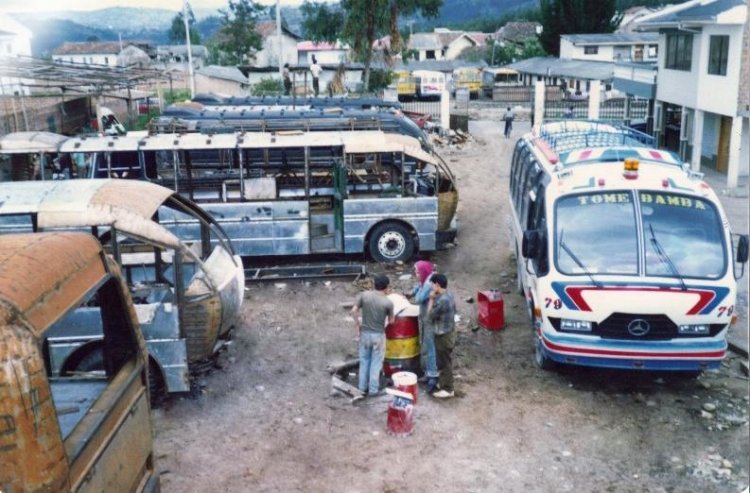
{"x":267,"y":422}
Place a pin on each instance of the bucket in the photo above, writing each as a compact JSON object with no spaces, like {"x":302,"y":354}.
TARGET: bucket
{"x":406,"y":381}
{"x":400,"y":417}
{"x":402,"y":338}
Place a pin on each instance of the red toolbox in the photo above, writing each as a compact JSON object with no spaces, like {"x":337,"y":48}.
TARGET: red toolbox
{"x":491,"y":309}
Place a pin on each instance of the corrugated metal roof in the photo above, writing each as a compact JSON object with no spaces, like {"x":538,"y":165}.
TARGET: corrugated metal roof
{"x":695,"y":12}
{"x":611,"y":38}
{"x":425,"y":41}
{"x":445,"y":66}
{"x":555,"y":67}
{"x":226,"y":73}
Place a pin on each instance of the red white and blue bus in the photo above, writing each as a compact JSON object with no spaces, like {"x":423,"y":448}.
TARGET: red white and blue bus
{"x":624,"y":254}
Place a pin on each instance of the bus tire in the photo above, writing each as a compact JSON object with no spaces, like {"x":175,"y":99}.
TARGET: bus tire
{"x":541,"y":360}
{"x":89,"y":358}
{"x":519,"y":275}
{"x":391,"y":242}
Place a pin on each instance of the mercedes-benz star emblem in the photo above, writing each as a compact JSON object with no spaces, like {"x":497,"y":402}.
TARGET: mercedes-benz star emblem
{"x":638,"y":327}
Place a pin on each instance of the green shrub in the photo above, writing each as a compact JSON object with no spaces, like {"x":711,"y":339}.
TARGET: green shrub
{"x":267,"y":86}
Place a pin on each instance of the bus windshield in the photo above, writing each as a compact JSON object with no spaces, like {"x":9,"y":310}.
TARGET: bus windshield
{"x":598,"y":234}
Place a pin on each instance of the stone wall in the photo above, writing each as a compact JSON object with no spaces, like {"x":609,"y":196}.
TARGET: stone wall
{"x":743,"y":98}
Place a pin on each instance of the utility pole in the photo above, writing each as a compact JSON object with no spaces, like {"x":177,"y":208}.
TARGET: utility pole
{"x":190,"y":52}
{"x":278,"y":35}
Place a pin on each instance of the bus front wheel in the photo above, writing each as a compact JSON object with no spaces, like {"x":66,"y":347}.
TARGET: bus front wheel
{"x":391,"y":242}
{"x":540,"y":357}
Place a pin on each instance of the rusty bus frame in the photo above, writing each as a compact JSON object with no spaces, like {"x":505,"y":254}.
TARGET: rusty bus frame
{"x":187,"y":293}
{"x":288,"y":193}
{"x":82,"y":433}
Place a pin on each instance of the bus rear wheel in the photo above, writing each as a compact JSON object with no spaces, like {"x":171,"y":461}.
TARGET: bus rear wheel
{"x":391,"y":242}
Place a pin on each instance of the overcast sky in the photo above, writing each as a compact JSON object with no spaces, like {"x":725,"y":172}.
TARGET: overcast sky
{"x":48,"y":5}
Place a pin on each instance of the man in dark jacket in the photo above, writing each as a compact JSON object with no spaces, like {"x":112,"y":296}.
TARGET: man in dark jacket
{"x":441,"y":312}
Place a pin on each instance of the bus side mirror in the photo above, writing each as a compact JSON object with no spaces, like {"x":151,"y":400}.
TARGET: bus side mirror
{"x":530,"y":244}
{"x":742,"y":249}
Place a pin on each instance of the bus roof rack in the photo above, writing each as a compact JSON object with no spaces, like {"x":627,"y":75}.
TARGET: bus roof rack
{"x":619,"y":154}
{"x":568,"y":135}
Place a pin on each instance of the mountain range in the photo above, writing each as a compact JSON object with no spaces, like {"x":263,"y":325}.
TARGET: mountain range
{"x":51,"y":29}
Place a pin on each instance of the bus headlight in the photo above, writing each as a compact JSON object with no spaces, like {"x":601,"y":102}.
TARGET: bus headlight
{"x":694,"y":329}
{"x":575,"y":325}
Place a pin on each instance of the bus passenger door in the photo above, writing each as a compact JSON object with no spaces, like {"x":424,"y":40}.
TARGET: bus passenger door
{"x":327,"y":214}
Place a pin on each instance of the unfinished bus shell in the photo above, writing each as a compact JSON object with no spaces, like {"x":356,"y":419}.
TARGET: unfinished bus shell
{"x":81,"y":433}
{"x":187,"y":293}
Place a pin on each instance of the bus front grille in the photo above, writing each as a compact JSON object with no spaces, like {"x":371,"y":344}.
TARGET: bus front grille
{"x":632,"y":326}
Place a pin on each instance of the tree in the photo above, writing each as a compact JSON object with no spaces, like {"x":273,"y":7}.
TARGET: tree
{"x":176,"y":33}
{"x":322,"y":21}
{"x":501,"y":53}
{"x":237,"y":38}
{"x":426,"y":8}
{"x":360,"y":22}
{"x":575,"y":16}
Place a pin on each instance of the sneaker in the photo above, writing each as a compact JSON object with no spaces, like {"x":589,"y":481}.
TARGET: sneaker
{"x":432,"y":385}
{"x":443,"y":394}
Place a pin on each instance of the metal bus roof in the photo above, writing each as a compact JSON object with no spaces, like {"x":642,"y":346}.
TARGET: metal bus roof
{"x":129,"y":205}
{"x":43,"y":275}
{"x":30,"y":142}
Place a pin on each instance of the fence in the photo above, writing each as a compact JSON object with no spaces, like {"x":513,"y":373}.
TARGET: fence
{"x":616,"y":109}
{"x":424,"y":107}
{"x":524,"y":94}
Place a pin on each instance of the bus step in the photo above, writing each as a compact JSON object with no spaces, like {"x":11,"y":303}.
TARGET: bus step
{"x":326,"y":271}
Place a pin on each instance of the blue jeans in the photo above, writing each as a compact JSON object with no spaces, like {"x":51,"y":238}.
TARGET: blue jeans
{"x":427,"y":348}
{"x":371,"y":354}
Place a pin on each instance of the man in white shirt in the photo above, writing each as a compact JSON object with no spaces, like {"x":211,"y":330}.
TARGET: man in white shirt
{"x":315,"y":70}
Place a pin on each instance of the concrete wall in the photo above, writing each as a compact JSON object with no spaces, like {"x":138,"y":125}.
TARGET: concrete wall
{"x":606,"y":53}
{"x":456,"y":47}
{"x":716,"y":98}
{"x":90,"y":59}
{"x":324,"y":57}
{"x":269,"y":55}
{"x":681,"y":87}
{"x":221,"y":86}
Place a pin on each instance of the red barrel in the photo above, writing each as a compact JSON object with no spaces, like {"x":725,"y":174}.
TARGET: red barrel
{"x":402,"y":338}
{"x":491,"y":310}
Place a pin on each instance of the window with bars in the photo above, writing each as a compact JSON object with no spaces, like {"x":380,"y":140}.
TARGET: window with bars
{"x":591,"y":50}
{"x":717,"y":55}
{"x":679,"y":52}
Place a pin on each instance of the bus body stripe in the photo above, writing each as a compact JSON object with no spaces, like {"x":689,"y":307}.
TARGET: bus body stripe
{"x":708,"y":296}
{"x":633,"y":354}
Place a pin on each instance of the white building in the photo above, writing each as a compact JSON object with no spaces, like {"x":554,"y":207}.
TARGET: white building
{"x":110,"y":53}
{"x":325,"y":53}
{"x":610,"y":47}
{"x":268,"y":56}
{"x":15,"y":40}
{"x":443,"y":44}
{"x":703,"y":82}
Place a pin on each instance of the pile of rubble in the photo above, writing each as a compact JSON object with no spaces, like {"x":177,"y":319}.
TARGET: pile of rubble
{"x":454,"y":138}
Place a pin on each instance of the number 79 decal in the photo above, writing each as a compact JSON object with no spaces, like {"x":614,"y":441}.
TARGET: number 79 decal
{"x":726,"y":310}
{"x":556,"y":303}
